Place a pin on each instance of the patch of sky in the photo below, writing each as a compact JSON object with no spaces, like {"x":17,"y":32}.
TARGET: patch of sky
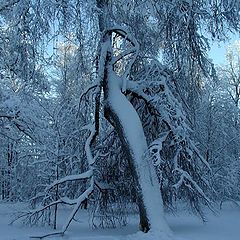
{"x":218,"y":49}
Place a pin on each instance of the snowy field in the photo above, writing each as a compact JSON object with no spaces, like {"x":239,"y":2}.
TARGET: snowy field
{"x":225,"y":225}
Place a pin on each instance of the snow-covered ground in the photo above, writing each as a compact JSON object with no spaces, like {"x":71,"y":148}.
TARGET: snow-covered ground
{"x":224,"y":225}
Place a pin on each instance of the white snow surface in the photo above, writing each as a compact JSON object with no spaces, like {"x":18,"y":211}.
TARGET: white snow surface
{"x":221,"y":226}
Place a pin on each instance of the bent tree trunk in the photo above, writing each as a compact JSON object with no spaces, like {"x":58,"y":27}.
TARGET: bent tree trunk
{"x":124,"y":118}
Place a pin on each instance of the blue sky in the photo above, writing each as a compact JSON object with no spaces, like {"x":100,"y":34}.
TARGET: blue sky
{"x":217,"y":53}
{"x":218,"y":50}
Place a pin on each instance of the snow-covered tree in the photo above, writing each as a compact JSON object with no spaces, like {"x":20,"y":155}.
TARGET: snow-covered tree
{"x":132,"y":116}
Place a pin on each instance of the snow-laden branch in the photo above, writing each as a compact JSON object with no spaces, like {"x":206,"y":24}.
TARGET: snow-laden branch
{"x":156,"y":148}
{"x":90,"y":158}
{"x":173,"y":148}
{"x":123,"y":54}
{"x":185,"y":176}
{"x":85,"y":175}
{"x":89,"y":190}
{"x":79,"y":201}
{"x":124,"y":33}
{"x":91,"y":87}
{"x":199,"y":155}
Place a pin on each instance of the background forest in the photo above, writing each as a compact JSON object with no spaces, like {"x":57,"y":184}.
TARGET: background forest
{"x":50,"y":103}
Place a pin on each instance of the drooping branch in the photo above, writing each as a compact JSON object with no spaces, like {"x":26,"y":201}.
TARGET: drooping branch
{"x":123,"y":32}
{"x":85,"y":175}
{"x":171,"y":146}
